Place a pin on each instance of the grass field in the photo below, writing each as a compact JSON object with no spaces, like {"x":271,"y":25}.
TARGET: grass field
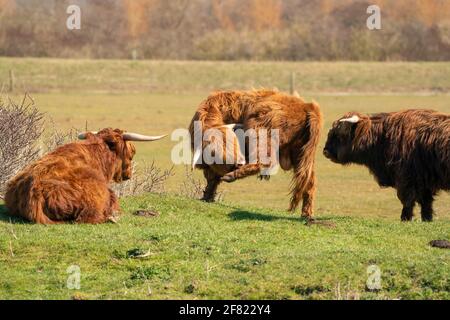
{"x":221,"y":251}
{"x":247,"y":246}
{"x":114,"y":76}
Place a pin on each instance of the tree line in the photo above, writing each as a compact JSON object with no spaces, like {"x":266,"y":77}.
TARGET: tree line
{"x":227,"y":29}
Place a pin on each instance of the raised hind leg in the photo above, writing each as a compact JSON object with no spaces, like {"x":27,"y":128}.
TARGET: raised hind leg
{"x":256,"y":161}
{"x":242,"y":172}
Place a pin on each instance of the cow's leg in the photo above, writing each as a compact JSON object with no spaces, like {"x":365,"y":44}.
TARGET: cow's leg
{"x":255,"y":166}
{"x":301,"y":190}
{"x":213,"y":181}
{"x":408,"y":200}
{"x":308,"y":198}
{"x":97,"y":208}
{"x":426,"y":203}
{"x":92,"y":216}
{"x":242,"y":172}
{"x":307,"y":195}
{"x":113,"y":211}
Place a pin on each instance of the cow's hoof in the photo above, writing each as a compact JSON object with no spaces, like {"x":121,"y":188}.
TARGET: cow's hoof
{"x":228,"y":178}
{"x":264,"y":177}
{"x":208,"y":200}
{"x":308,"y":219}
{"x":113,"y":219}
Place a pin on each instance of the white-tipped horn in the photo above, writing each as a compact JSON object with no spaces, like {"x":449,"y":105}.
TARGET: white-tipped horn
{"x":234,"y":126}
{"x":197,"y":156}
{"x":129,"y":136}
{"x":83,"y":136}
{"x":296,"y":94}
{"x":354,"y":119}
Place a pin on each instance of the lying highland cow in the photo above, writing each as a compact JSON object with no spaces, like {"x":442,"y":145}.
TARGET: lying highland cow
{"x":70,"y":184}
{"x":298,"y":124}
{"x":408,"y":150}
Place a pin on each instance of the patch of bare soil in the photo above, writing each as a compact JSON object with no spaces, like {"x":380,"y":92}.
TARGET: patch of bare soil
{"x":146,"y":213}
{"x":443,"y":244}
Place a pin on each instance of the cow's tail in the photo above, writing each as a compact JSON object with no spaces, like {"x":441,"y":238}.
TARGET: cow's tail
{"x":36,"y":209}
{"x":304,"y":165}
{"x":24,"y":198}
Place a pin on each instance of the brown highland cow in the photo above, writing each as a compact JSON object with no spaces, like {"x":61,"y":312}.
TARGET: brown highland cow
{"x":407,"y":150}
{"x":299,"y":124}
{"x":70,"y":184}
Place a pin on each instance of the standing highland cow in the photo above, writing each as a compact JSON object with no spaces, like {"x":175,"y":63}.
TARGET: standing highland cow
{"x":70,"y":184}
{"x":298,"y":124}
{"x":408,"y":150}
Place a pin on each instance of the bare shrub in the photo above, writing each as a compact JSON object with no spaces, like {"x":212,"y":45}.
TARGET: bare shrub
{"x":56,"y":137}
{"x":193,"y":188}
{"x":21,"y":130}
{"x":146,"y":178}
{"x":21,"y":126}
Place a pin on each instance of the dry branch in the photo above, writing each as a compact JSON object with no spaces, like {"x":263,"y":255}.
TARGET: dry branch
{"x":21,"y":126}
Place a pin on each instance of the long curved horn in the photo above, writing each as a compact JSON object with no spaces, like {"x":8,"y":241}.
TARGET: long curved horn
{"x":197,"y":156}
{"x":83,"y":136}
{"x":354,"y":119}
{"x":129,"y":136}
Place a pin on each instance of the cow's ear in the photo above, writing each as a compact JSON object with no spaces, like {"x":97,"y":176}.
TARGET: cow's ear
{"x":346,"y":128}
{"x":111,"y":142}
{"x":362,"y":131}
{"x":112,"y":145}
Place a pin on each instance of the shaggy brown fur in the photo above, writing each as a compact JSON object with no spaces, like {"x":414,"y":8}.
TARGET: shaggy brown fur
{"x":407,"y":150}
{"x":71,"y":183}
{"x":299,"y":124}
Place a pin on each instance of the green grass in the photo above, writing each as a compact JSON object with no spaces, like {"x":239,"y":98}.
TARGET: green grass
{"x":218,"y":251}
{"x":53,"y":75}
{"x":248,"y":246}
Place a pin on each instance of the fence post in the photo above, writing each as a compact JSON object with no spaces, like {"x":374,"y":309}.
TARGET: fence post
{"x":134,"y":54}
{"x":11,"y":81}
{"x":292,"y":88}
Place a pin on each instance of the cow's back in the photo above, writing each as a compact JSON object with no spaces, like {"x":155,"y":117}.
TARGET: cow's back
{"x":420,"y":145}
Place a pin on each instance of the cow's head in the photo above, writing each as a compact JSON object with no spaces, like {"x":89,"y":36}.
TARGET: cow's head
{"x":120,"y":143}
{"x":346,"y":137}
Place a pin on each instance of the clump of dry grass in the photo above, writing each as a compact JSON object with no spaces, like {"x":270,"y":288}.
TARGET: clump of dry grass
{"x":193,"y":188}
{"x":146,"y":178}
{"x":56,"y":137}
{"x":21,"y":126}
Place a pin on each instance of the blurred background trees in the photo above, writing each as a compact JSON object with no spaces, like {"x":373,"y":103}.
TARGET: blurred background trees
{"x":227,"y":29}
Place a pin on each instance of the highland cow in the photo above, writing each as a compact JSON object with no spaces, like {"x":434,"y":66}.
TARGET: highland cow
{"x":298,"y":123}
{"x":407,"y":150}
{"x":70,"y":184}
